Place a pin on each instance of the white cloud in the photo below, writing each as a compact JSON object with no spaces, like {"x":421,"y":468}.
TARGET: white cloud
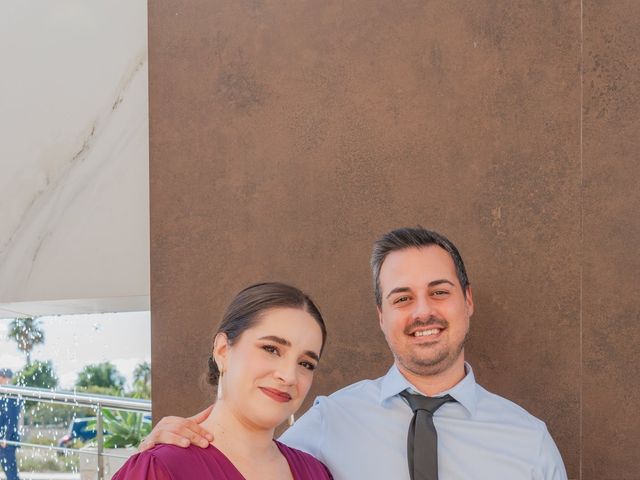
{"x":14,"y":362}
{"x":67,"y":380}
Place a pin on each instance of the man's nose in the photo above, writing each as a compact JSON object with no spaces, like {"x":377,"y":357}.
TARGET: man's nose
{"x":423,"y":309}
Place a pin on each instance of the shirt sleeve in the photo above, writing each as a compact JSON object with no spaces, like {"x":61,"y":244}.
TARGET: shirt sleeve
{"x":551,"y":460}
{"x":143,"y":466}
{"x":307,"y":434}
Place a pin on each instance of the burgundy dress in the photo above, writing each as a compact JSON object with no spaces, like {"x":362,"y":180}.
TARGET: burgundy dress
{"x":168,"y":462}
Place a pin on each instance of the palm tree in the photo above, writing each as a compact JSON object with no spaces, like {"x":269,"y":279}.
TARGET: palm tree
{"x":142,"y":380}
{"x":27,"y":333}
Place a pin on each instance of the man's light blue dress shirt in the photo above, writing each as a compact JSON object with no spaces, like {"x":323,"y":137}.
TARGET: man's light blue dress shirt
{"x":360,"y":433}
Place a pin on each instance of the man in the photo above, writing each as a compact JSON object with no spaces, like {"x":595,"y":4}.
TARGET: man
{"x":424,"y":303}
{"x":9,"y":415}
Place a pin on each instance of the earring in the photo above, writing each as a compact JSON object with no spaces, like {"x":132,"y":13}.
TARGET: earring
{"x":292,"y":420}
{"x":219,"y":392}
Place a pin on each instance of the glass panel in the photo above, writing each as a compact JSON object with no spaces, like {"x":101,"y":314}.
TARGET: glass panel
{"x":94,"y":358}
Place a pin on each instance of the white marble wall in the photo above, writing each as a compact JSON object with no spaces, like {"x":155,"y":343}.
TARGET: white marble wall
{"x":74,"y":208}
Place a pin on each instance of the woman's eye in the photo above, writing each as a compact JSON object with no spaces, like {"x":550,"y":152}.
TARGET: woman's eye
{"x":308,"y":365}
{"x":270,"y":349}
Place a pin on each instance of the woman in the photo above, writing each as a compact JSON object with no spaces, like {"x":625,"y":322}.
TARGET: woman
{"x":264,"y":355}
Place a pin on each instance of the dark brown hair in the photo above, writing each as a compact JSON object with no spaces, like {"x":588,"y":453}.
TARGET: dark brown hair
{"x":247,"y":306}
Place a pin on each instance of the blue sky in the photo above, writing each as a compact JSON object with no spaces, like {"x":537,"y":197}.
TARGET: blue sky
{"x":73,"y":341}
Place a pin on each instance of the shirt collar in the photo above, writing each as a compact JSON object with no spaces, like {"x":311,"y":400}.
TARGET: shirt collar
{"x":464,"y":392}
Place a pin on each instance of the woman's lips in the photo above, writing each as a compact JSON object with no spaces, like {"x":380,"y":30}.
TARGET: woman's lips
{"x":276,"y":395}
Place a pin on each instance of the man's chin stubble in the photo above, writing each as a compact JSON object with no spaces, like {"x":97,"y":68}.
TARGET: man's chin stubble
{"x":434,"y":366}
{"x":422,"y":367}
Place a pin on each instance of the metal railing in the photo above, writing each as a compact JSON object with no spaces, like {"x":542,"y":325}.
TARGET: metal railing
{"x":97,"y":402}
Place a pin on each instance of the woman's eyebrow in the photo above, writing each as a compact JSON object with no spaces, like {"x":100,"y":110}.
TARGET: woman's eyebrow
{"x":313,"y":355}
{"x":278,"y":340}
{"x":287,"y":343}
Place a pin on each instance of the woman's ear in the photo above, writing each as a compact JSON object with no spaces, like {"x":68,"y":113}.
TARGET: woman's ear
{"x":220,"y":350}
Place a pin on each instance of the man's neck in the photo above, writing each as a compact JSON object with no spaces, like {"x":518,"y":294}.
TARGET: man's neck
{"x":432,"y":385}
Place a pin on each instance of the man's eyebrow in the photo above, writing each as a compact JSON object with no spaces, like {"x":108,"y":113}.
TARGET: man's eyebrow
{"x":433,"y":283}
{"x":286,"y":343}
{"x":398,"y":290}
{"x":440,"y":282}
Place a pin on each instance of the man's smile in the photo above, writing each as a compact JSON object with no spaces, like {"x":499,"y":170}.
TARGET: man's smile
{"x":426,"y":333}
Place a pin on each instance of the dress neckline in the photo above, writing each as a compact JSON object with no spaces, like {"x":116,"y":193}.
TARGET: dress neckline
{"x":281,"y":447}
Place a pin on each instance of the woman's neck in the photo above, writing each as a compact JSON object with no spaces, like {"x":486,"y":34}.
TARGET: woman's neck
{"x":234,"y":436}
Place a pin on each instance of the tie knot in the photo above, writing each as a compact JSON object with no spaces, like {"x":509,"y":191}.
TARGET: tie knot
{"x":428,"y":404}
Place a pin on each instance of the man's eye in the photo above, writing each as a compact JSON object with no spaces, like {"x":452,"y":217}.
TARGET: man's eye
{"x":401,"y":299}
{"x":439,"y":293}
{"x":308,"y":365}
{"x":270,"y":349}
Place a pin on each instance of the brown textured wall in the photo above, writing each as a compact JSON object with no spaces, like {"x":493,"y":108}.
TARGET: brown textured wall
{"x":287,"y":135}
{"x":611,"y":293}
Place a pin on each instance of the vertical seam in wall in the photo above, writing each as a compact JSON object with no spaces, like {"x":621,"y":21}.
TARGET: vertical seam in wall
{"x":581,"y":232}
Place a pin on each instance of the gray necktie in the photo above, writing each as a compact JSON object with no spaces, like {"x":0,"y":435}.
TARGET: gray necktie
{"x":422,"y":440}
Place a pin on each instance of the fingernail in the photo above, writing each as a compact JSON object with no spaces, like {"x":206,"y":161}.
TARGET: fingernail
{"x":184,"y":443}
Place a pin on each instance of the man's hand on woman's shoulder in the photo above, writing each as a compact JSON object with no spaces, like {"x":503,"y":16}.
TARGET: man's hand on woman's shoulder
{"x":179,"y":431}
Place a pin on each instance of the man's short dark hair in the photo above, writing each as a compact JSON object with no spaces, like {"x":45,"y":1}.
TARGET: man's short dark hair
{"x":413,"y":238}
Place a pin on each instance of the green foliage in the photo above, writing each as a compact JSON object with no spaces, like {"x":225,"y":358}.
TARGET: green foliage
{"x":104,"y":375}
{"x":142,"y":381}
{"x":37,"y":374}
{"x":27,"y":333}
{"x":39,"y":440}
{"x":102,"y":379}
{"x":110,"y":391}
{"x":48,"y":414}
{"x":125,"y":429}
{"x":34,"y":460}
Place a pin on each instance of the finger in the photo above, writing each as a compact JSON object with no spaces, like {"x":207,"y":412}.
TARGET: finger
{"x":146,"y":444}
{"x":183,"y":437}
{"x":202,"y":416}
{"x":171,"y":438}
{"x":170,"y":428}
{"x":199,"y":418}
{"x":170,"y":420}
{"x":181,"y":432}
{"x":194,"y":433}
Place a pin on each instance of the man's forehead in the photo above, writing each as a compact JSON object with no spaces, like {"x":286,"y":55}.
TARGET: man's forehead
{"x":423,"y":264}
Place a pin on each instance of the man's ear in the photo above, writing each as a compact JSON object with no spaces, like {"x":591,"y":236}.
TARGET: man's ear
{"x":220,"y":350}
{"x":469,"y":301}
{"x":379,"y":310}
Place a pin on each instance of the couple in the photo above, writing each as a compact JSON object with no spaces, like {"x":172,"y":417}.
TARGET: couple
{"x":425,"y":419}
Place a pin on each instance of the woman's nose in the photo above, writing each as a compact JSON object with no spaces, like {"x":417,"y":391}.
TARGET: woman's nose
{"x":286,"y":372}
